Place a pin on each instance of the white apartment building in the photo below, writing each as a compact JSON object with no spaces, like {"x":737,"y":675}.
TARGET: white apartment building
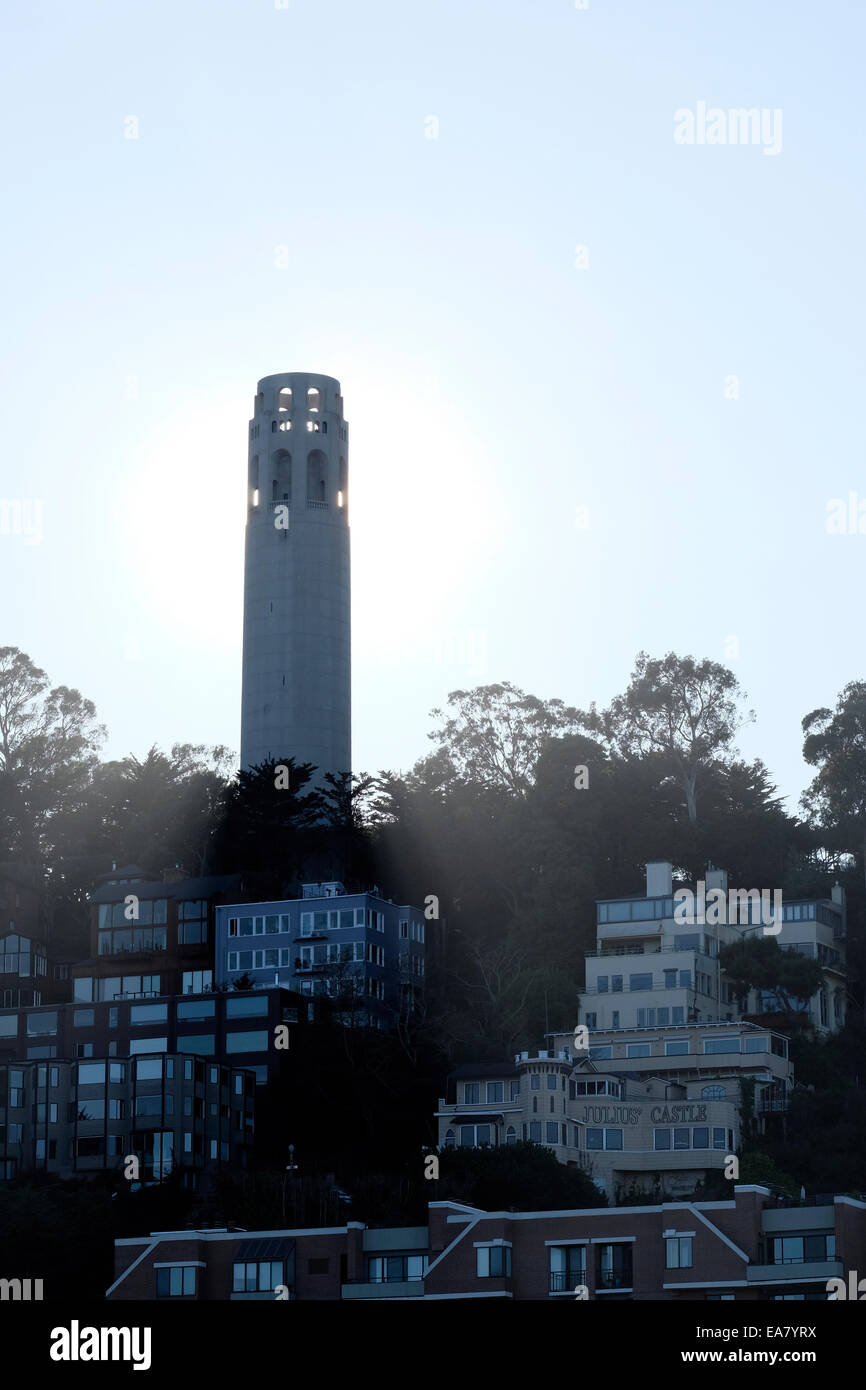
{"x":652,"y":969}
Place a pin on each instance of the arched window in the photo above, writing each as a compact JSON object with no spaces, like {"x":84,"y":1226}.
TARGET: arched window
{"x":713,"y":1093}
{"x":314,"y":400}
{"x":281,"y":476}
{"x":317,"y":470}
{"x":284,"y":399}
{"x":450,"y":1139}
{"x":343,"y":487}
{"x":511,"y":1135}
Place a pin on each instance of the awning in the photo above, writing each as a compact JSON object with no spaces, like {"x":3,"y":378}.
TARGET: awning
{"x":496,"y":1117}
{"x":269,"y":1248}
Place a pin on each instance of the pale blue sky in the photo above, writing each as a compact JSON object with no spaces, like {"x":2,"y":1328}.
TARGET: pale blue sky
{"x":492,"y":387}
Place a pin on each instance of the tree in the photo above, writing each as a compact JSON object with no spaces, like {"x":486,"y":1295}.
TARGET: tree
{"x":270,"y":814}
{"x":759,"y":963}
{"x":521,"y":1175}
{"x":684,"y":709}
{"x":835,"y":743}
{"x":496,"y":734}
{"x":48,"y":745}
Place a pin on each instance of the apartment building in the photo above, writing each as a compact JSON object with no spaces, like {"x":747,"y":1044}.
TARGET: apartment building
{"x":653,"y":967}
{"x":233,"y":1030}
{"x":26,"y":975}
{"x":151,"y":936}
{"x":750,"y":1248}
{"x":171,"y":1111}
{"x":360,"y":951}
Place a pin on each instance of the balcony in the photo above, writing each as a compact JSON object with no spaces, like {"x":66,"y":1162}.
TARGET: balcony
{"x":813,"y":1271}
{"x":644,"y":950}
{"x":773,"y":1106}
{"x":566,"y":1283}
{"x":389,"y":1288}
{"x":262,"y":1297}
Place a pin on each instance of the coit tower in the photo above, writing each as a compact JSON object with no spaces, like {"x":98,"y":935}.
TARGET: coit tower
{"x":296,"y":700}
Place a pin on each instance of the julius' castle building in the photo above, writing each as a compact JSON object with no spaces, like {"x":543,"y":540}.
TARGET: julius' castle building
{"x":296,"y":699}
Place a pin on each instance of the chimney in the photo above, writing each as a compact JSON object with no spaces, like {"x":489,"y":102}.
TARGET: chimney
{"x":717,"y":878}
{"x":659,"y":879}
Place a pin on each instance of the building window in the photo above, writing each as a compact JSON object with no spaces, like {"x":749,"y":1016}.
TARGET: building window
{"x":204,"y":1044}
{"x":614,"y":1268}
{"x":677,"y":1048}
{"x":148,"y":1013}
{"x":795,"y":1250}
{"x":137,"y":1045}
{"x":511,"y":1135}
{"x":641,"y":981}
{"x":567,"y":1267}
{"x":41,"y":1024}
{"x":391,"y":1269}
{"x":196,"y":1008}
{"x":177,"y":1282}
{"x":247,"y":1006}
{"x":82,"y":1018}
{"x":197,"y":981}
{"x":91,"y":1074}
{"x":638,"y":1050}
{"x":474,"y":1136}
{"x":713,"y":1093}
{"x":678,"y":1252}
{"x":493,"y":1261}
{"x":450,"y":1139}
{"x":604,"y":1139}
{"x":147,"y":1069}
{"x":471,"y":1093}
{"x":495,"y":1092}
{"x":257,"y":1276}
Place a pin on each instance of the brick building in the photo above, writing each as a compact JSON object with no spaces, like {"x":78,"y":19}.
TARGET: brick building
{"x":749,"y":1248}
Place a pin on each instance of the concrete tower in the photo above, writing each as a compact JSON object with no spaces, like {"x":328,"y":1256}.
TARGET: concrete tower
{"x":296,"y":700}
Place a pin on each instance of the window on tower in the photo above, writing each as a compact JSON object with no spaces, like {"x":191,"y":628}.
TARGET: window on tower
{"x":284,"y":400}
{"x":281,"y":475}
{"x":314,"y":402}
{"x":317,"y":465}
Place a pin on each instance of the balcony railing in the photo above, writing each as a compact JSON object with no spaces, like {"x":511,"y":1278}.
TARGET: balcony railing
{"x":567,"y":1283}
{"x":649,"y":951}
